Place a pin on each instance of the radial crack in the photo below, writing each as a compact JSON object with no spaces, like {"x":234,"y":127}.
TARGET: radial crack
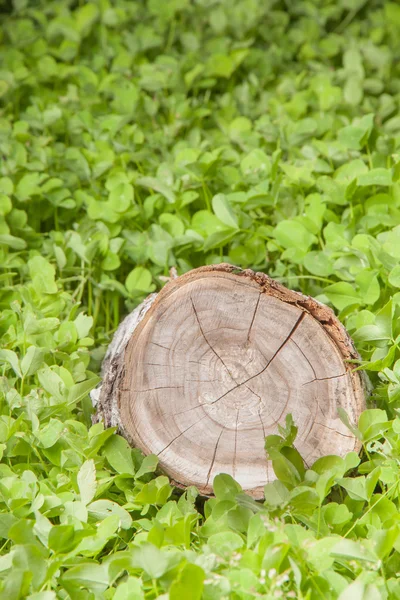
{"x":204,"y":380}
{"x":160,"y":387}
{"x":207,"y":342}
{"x":181,"y":412}
{"x":178,"y":436}
{"x":295,"y":326}
{"x":254,"y":316}
{"x":320,"y":408}
{"x":262,"y":423}
{"x":213,"y":458}
{"x":253,"y":392}
{"x":160,"y":345}
{"x":332,"y":429}
{"x":306,"y":357}
{"x":325,"y":378}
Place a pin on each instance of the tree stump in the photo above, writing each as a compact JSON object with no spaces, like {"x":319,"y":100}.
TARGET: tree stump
{"x":200,"y":373}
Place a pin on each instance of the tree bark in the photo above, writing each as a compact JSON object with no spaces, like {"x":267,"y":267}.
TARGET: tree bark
{"x":200,"y":373}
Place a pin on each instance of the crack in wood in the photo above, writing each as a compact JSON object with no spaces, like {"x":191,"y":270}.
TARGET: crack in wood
{"x":204,"y":380}
{"x":181,"y":433}
{"x":332,"y":429}
{"x":320,"y":408}
{"x":181,"y":412}
{"x":207,"y":342}
{"x":315,"y":378}
{"x":254,"y":316}
{"x":160,"y":387}
{"x":292,"y":331}
{"x":295,"y":326}
{"x":255,"y":394}
{"x":324,"y":378}
{"x":305,"y":356}
{"x":159,"y":345}
{"x":213,"y":458}
{"x":262,"y":424}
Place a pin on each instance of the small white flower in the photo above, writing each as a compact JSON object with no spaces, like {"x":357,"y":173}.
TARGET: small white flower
{"x":272,"y":573}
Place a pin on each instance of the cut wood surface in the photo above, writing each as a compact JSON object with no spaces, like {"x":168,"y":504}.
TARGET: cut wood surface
{"x":202,"y":372}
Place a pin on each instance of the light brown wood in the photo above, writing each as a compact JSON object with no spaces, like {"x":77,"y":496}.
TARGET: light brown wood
{"x":215,"y":361}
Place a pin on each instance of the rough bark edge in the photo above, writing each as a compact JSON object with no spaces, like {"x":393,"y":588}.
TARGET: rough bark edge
{"x":105,"y":397}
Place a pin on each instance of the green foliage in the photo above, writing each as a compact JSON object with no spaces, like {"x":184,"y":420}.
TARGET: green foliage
{"x":139,"y":136}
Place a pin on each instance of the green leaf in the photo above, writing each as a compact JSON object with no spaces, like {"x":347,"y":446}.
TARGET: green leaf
{"x":369,"y":287}
{"x":276,"y":494}
{"x":28,"y":186}
{"x":85,"y":17}
{"x":149,"y":465}
{"x":359,"y":590}
{"x":257,"y":163}
{"x":32,"y":361}
{"x":43,"y":275}
{"x":189,"y":584}
{"x":225,"y":543}
{"x":149,"y":558}
{"x":225,"y":487}
{"x":351,"y":170}
{"x":139,"y":280}
{"x":224,"y":211}
{"x":372,"y":423}
{"x":355,"y":136}
{"x":318,"y":263}
{"x":49,"y":595}
{"x":158,"y":186}
{"x":342,"y":295}
{"x":7,"y":520}
{"x":78,"y":391}
{"x":131,"y":589}
{"x":375,"y":177}
{"x":218,"y":239}
{"x":355,"y":487}
{"x":61,"y":539}
{"x":220,"y":65}
{"x":13,"y":242}
{"x":119,"y":455}
{"x":87,"y":481}
{"x":352,"y":550}
{"x":10,"y":357}
{"x":353,"y":90}
{"x":101,"y":509}
{"x":121,"y":197}
{"x":83,"y":324}
{"x":394,"y":277}
{"x":90,"y":576}
{"x":291,"y":234}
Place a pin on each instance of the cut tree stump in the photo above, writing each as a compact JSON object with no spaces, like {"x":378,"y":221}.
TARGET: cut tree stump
{"x":200,"y":373}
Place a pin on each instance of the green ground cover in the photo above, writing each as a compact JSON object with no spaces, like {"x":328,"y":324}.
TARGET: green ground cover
{"x":136,"y":136}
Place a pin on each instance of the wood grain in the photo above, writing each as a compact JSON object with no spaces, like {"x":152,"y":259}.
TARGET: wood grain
{"x":217,"y":360}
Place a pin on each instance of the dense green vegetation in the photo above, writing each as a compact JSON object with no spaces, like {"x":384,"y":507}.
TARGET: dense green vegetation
{"x":136,"y":136}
